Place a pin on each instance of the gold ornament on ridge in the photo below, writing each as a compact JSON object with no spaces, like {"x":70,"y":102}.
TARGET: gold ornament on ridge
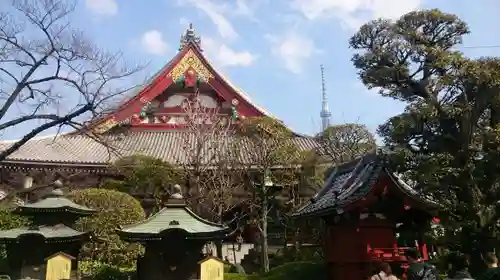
{"x":190,"y":61}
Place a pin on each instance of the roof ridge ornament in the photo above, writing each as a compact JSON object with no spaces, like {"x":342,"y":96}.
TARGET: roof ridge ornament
{"x":177,"y":192}
{"x":190,"y":37}
{"x":57,"y":192}
{"x":176,"y":199}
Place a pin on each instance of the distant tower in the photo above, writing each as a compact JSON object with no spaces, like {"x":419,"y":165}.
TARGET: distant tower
{"x":325,"y":111}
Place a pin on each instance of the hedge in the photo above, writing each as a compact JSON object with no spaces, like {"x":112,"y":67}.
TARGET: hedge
{"x":8,"y":220}
{"x":114,"y":209}
{"x":296,"y":271}
{"x":92,"y":270}
{"x":288,"y":271}
{"x":235,"y":276}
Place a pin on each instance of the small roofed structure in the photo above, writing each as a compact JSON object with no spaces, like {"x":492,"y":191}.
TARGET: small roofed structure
{"x":49,"y":233}
{"x":365,"y":208}
{"x":174,"y":238}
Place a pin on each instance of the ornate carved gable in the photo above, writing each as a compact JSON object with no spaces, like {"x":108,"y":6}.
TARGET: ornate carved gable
{"x":190,"y":61}
{"x":187,"y":72}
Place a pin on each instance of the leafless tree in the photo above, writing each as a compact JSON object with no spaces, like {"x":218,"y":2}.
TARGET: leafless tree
{"x":215,"y":187}
{"x":207,"y":136}
{"x":224,"y":189}
{"x":272,"y":162}
{"x":345,"y":142}
{"x":51,"y":75}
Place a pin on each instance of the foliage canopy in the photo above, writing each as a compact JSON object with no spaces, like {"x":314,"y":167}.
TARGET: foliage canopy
{"x":448,"y":138}
{"x":275,"y":158}
{"x":345,"y":142}
{"x":145,"y":176}
{"x":114,"y":209}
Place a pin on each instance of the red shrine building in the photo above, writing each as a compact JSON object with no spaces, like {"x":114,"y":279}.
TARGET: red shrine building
{"x":365,"y":208}
{"x":155,"y":118}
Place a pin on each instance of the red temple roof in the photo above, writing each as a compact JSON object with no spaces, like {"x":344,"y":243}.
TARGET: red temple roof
{"x":189,"y":57}
{"x":78,"y":150}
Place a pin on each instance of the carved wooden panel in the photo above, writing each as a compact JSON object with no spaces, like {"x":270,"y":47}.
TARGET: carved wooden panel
{"x":190,"y":61}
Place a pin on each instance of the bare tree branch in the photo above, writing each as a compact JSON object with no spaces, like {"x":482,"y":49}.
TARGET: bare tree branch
{"x":50,"y":72}
{"x":39,"y":129}
{"x":205,"y":145}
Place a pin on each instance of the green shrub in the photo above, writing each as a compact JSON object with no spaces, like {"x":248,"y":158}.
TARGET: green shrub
{"x":144,"y":175}
{"x":9,"y":220}
{"x":289,"y":271}
{"x":296,"y":271}
{"x":234,"y":276}
{"x":93,"y":270}
{"x":114,"y":209}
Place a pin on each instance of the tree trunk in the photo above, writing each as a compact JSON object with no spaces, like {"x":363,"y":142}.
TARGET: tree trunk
{"x":482,"y":244}
{"x":263,"y":229}
{"x":219,"y":243}
{"x":218,"y":248}
{"x":234,"y":254}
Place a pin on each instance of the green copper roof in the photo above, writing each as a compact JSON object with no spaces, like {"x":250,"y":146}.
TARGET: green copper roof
{"x":56,"y":202}
{"x":170,"y":218}
{"x":48,"y":232}
{"x":176,"y":216}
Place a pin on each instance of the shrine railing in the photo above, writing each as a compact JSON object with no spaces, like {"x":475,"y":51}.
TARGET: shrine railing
{"x":395,"y":254}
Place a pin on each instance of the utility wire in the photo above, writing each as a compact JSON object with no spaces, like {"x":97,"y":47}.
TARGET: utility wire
{"x":480,"y":47}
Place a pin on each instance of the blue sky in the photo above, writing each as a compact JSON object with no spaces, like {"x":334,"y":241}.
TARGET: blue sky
{"x":272,"y":49}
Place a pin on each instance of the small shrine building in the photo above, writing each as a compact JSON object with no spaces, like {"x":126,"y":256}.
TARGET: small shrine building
{"x":174,"y":239}
{"x":49,"y":233}
{"x":365,"y":207}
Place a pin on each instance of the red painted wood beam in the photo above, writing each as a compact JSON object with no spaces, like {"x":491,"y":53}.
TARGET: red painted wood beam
{"x":148,"y":94}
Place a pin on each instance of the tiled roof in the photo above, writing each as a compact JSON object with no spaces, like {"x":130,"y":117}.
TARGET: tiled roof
{"x":173,"y":218}
{"x":55,"y":204}
{"x":134,"y":93}
{"x":346,"y":184}
{"x":351,"y":182}
{"x":81,"y":149}
{"x":47,"y":232}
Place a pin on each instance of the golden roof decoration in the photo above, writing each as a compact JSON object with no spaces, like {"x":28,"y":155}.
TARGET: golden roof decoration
{"x":191,"y":61}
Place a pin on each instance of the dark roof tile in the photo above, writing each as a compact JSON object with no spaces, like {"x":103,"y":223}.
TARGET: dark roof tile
{"x":351,"y":182}
{"x":347,"y":183}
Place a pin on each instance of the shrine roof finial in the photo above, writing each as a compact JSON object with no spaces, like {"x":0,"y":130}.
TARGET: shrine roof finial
{"x":177,"y":192}
{"x":176,"y":198}
{"x":190,"y":37}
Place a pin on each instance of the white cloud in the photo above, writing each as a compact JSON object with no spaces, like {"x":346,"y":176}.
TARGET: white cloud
{"x":353,"y":13}
{"x":293,"y":49}
{"x":224,"y":56}
{"x":216,"y":14}
{"x":246,"y":8}
{"x":152,"y":41}
{"x":243,"y":8}
{"x":102,"y":7}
